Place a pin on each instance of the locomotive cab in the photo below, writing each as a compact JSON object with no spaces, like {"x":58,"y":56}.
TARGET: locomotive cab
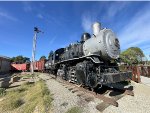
{"x":57,"y":55}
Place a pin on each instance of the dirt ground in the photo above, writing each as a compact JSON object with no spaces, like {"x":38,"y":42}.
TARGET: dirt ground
{"x":64,"y":100}
{"x":139,"y":103}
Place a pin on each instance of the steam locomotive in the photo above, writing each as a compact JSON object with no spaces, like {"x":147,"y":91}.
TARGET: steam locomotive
{"x":90,"y":62}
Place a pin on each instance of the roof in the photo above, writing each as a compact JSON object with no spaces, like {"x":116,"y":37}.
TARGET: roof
{"x":5,"y":57}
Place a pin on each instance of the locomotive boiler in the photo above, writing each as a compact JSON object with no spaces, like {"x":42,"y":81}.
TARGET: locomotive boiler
{"x":90,"y":62}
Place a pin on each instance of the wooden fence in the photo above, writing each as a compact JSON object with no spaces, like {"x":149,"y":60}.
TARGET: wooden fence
{"x":138,"y":71}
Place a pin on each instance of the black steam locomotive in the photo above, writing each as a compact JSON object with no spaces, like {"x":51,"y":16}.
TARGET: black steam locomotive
{"x":90,"y":62}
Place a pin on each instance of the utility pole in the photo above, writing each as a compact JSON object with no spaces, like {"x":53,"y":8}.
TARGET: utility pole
{"x":36,"y":31}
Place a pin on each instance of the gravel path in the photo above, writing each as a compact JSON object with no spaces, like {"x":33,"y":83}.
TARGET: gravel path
{"x":145,"y":80}
{"x":65,"y":99}
{"x":140,"y":103}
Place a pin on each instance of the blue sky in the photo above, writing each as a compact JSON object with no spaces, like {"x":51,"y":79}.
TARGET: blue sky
{"x":64,"y":23}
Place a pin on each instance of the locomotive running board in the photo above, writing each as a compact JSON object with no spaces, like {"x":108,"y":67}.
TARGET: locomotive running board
{"x":93,"y":57}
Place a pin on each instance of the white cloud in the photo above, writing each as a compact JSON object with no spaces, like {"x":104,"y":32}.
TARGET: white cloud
{"x":114,"y":9}
{"x":136,"y":32}
{"x":52,"y":40}
{"x":87,"y":20}
{"x":40,"y":16}
{"x":8,"y":16}
{"x":90,"y":17}
{"x":27,"y":6}
{"x":86,"y":23}
{"x":42,"y":5}
{"x":53,"y":20}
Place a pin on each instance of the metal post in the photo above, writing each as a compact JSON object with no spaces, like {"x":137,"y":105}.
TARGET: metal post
{"x":36,"y":30}
{"x":33,"y":52}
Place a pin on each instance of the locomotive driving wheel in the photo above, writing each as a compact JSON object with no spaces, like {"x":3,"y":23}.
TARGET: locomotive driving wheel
{"x":92,"y":80}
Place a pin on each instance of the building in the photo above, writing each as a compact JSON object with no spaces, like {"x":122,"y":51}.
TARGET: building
{"x":5,"y":64}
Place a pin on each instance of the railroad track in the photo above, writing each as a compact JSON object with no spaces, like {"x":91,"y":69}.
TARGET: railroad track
{"x":114,"y":93}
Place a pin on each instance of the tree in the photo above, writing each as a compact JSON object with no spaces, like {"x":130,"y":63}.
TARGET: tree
{"x":43,"y":57}
{"x":132,"y":55}
{"x":26,"y":59}
{"x":20,"y":59}
{"x":50,"y":54}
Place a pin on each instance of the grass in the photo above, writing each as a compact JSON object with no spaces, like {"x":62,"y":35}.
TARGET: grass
{"x":27,"y":98}
{"x":14,"y":103}
{"x":2,"y":92}
{"x":40,"y":97}
{"x":74,"y":110}
{"x":13,"y":99}
{"x":26,"y":76}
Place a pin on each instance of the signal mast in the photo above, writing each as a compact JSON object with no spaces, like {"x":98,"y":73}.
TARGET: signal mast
{"x":36,"y":31}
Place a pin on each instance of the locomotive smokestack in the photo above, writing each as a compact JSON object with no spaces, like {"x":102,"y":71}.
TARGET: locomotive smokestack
{"x":96,"y":28}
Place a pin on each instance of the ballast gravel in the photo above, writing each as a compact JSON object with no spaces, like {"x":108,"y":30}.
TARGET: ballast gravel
{"x":65,"y":99}
{"x":139,"y":103}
